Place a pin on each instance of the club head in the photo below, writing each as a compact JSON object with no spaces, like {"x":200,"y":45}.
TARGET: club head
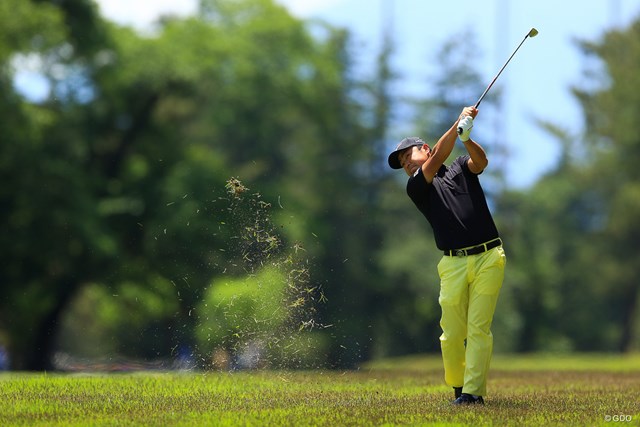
{"x":533,"y":33}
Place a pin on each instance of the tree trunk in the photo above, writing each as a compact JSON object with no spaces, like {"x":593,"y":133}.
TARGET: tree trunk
{"x":41,"y":350}
{"x":630,"y":308}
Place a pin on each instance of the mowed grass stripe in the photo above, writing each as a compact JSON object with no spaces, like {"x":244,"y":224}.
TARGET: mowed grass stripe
{"x":373,"y":395}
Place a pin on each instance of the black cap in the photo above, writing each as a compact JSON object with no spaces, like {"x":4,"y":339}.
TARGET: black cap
{"x":394,"y":161}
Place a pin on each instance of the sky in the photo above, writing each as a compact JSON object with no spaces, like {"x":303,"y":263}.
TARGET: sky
{"x":536,"y":83}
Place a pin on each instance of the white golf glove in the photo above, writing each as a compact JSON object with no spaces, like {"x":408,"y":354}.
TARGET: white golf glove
{"x":464,"y":128}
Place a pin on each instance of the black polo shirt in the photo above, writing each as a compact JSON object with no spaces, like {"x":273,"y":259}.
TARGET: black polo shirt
{"x":455,"y":206}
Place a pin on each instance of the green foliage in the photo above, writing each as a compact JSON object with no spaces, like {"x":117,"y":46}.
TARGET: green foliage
{"x":235,"y":311}
{"x":572,"y":236}
{"x":127,"y":321}
{"x":135,"y":146}
{"x":454,"y":85}
{"x":118,"y":184}
{"x":29,"y":28}
{"x":268,"y":316}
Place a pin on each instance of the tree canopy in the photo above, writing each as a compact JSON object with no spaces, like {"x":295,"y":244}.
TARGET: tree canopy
{"x":238,"y":147}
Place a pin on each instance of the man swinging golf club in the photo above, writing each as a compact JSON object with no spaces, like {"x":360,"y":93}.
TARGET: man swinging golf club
{"x":472,"y":268}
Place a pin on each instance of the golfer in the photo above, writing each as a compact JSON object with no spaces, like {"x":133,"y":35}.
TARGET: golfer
{"x":472,"y":268}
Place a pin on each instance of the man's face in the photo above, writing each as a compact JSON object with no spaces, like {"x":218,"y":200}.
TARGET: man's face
{"x":414,"y":157}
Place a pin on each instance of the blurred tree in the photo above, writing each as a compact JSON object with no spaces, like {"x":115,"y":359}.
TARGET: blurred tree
{"x":453,"y":86}
{"x":122,"y":178}
{"x":104,"y":183}
{"x":37,"y":188}
{"x":547,"y":230}
{"x":298,"y":128}
{"x":314,"y":146}
{"x":611,"y":104}
{"x":572,"y":236}
{"x":129,"y":319}
{"x":238,"y":312}
{"x":338,"y":190}
{"x":114,"y":184}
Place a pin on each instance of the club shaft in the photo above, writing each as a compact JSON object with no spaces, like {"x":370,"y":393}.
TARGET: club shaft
{"x":499,"y":72}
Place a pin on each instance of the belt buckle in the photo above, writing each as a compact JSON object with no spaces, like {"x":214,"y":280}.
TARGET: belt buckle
{"x":460,"y":253}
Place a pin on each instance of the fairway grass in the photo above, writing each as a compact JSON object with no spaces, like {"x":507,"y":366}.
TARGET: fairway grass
{"x":525,"y":390}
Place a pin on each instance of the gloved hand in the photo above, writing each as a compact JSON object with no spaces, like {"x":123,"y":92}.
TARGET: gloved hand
{"x":464,"y":128}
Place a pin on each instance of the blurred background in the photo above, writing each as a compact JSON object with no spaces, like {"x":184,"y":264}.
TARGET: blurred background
{"x":207,"y":187}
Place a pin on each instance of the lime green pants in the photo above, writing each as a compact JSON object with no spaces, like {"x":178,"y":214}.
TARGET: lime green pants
{"x":469,"y":288}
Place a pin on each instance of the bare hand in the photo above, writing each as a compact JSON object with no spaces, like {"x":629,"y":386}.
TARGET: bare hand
{"x":469,"y":111}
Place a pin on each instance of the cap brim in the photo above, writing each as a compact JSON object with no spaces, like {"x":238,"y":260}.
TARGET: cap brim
{"x":394,"y":159}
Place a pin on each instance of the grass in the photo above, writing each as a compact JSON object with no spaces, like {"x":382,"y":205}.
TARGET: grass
{"x":524,"y":390}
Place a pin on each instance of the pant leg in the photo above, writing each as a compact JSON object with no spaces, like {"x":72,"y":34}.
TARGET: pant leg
{"x":454,"y":302}
{"x":486,"y":281}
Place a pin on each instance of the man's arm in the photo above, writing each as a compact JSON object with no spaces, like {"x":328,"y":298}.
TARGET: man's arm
{"x":444,"y":147}
{"x":478,"y":160}
{"x":440,"y":153}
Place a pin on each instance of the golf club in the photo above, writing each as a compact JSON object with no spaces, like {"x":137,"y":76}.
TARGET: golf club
{"x":532,"y":33}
